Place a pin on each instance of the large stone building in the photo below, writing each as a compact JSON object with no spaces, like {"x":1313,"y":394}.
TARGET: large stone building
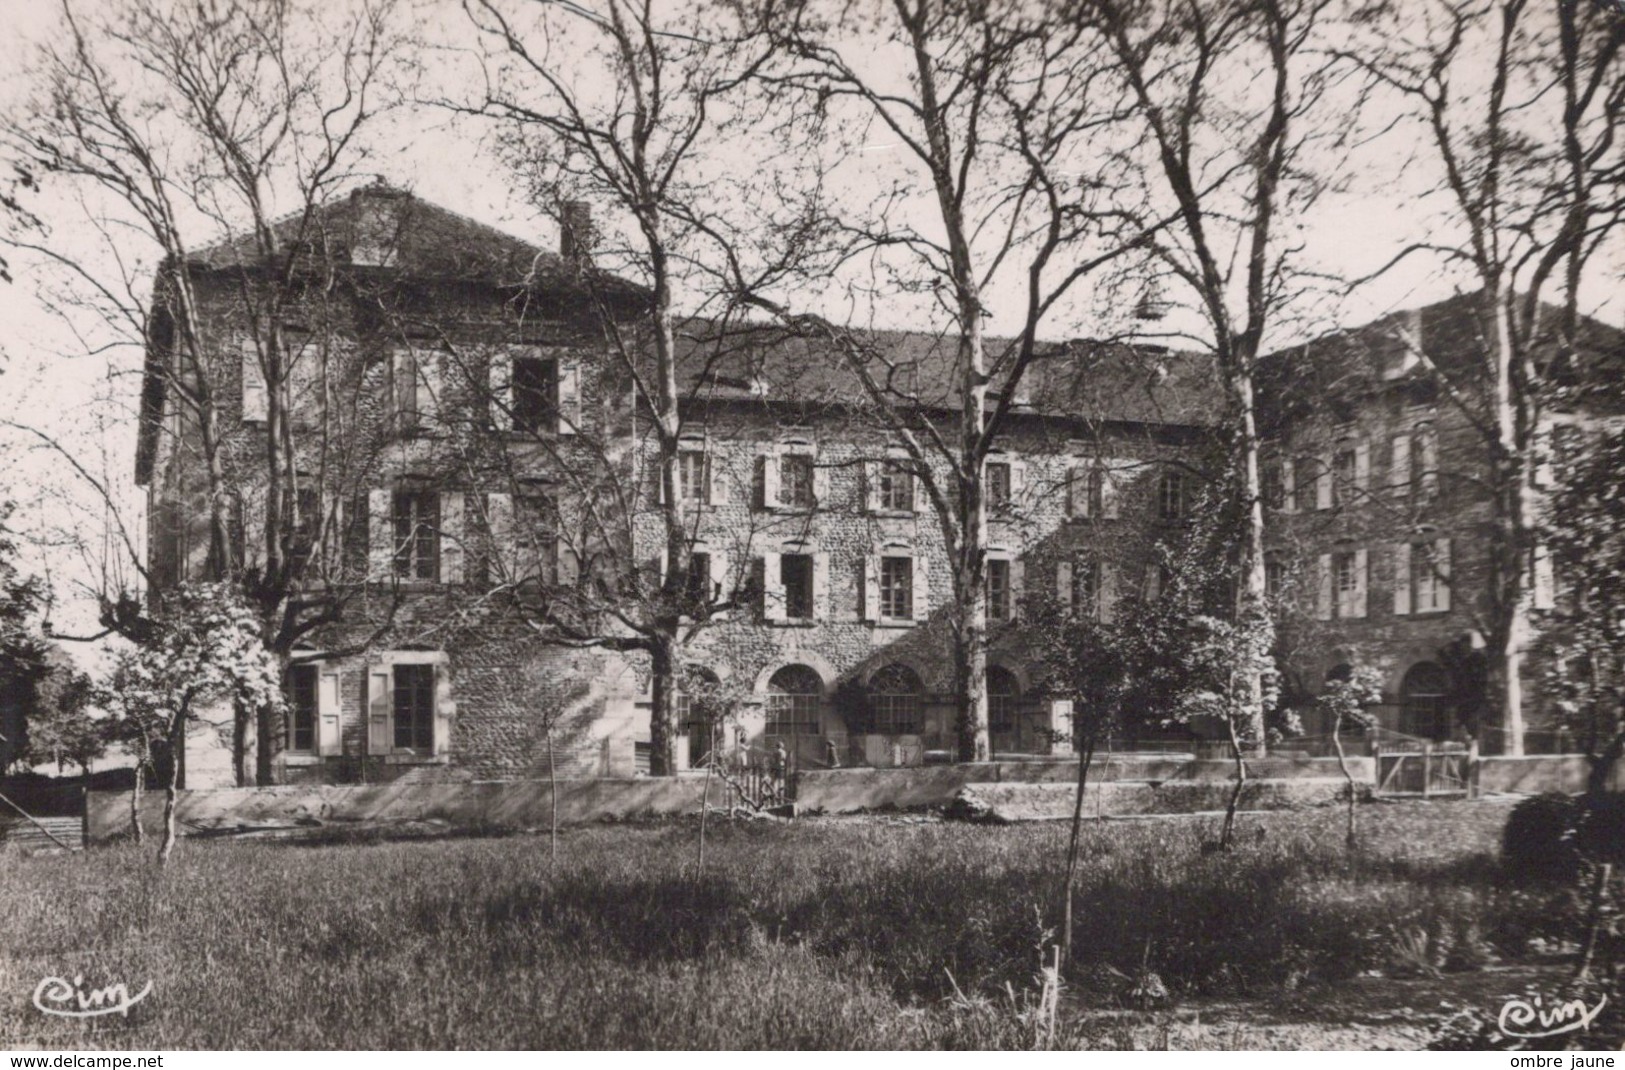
{"x":1380,"y":515}
{"x":472,"y":455}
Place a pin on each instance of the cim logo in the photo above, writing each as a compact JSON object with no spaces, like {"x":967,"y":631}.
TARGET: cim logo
{"x":1529,"y":1020}
{"x":65,"y":999}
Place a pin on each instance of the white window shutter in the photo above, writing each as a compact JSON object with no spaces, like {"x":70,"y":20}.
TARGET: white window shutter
{"x":1109,"y":506}
{"x":915,"y":491}
{"x":1018,"y":482}
{"x":430,"y":383}
{"x":871,"y":587}
{"x":716,"y":478}
{"x":328,"y":736}
{"x":501,"y":553}
{"x":569,"y":415}
{"x":443,"y":708}
{"x":922,"y":587}
{"x":1428,"y":443}
{"x":1323,"y":485}
{"x":770,"y":479}
{"x":1018,"y":586}
{"x":1402,"y":578}
{"x":872,"y":474}
{"x":820,"y":484}
{"x":1063,"y":583}
{"x":721,"y":590}
{"x":404,"y":377}
{"x":256,"y":402}
{"x":820,"y":586}
{"x":1441,"y":564}
{"x":772,"y":588}
{"x":1362,"y":564}
{"x":499,"y":390}
{"x":1323,"y":596}
{"x":452,"y":532}
{"x":1077,"y":497}
{"x":380,"y":536}
{"x":1399,"y":470}
{"x":380,"y":709}
{"x":1362,"y":467}
{"x":567,"y":564}
{"x":1289,"y":485}
{"x":1107,"y":595}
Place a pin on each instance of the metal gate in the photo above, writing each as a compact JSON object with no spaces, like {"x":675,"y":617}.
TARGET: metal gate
{"x":1423,"y":768}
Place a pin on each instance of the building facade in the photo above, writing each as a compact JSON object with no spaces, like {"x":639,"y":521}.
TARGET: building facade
{"x":472,"y":461}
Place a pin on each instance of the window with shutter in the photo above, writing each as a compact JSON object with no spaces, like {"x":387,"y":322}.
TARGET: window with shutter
{"x":796,"y":579}
{"x":897,"y":588}
{"x":694,"y":477}
{"x":998,"y":589}
{"x":795,"y":482}
{"x":896,"y":487}
{"x":413,"y":707}
{"x":302,"y":707}
{"x":535,"y":394}
{"x":417,"y":528}
{"x":998,"y":484}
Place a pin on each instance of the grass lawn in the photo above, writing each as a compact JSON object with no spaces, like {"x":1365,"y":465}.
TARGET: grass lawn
{"x":819,"y":933}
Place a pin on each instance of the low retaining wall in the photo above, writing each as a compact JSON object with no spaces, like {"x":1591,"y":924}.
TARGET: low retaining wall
{"x":1541,"y":772}
{"x":1051,"y":802}
{"x":506,"y":804}
{"x":844,"y":790}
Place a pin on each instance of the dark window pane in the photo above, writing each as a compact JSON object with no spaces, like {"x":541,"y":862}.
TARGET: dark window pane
{"x":535,"y":392}
{"x":414,"y":707}
{"x":302,"y":707}
{"x":796,"y":573}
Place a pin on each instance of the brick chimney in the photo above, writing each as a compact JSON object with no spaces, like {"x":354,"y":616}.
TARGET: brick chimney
{"x":575,"y":232}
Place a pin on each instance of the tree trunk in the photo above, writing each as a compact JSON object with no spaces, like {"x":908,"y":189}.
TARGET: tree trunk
{"x":1085,"y":756}
{"x":1513,"y":418}
{"x":1250,"y":595}
{"x":1227,"y":835}
{"x":1348,"y":777}
{"x":663,"y":709}
{"x":136,"y":830}
{"x":265,"y":734}
{"x":241,"y":718}
{"x":177,"y":745}
{"x":553,"y":792}
{"x":705,"y":812}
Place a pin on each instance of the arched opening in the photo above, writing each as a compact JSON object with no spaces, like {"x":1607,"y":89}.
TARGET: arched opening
{"x":894,"y":701}
{"x":1003,"y":698}
{"x":697,"y":713}
{"x":795,"y":696}
{"x":1423,"y":710}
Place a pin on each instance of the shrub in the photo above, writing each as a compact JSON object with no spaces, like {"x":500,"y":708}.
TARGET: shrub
{"x":1539,"y":840}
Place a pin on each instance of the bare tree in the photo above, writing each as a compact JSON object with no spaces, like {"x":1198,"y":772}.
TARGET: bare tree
{"x":1222,"y":103}
{"x":182,"y":133}
{"x":1516,"y":108}
{"x":641,"y":111}
{"x":992,"y":120}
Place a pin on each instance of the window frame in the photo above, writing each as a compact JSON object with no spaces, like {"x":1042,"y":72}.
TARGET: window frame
{"x":999,"y":488}
{"x":804,"y":465}
{"x":1171,"y":489}
{"x":895,"y":585}
{"x":293,"y":688}
{"x":416,"y":532}
{"x":423,"y":720}
{"x":539,"y":412}
{"x":805,"y":565}
{"x":998,"y":580}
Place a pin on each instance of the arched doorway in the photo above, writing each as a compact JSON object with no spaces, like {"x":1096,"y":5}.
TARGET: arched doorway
{"x":1003,"y":700}
{"x":894,"y":701}
{"x":795,"y":702}
{"x":1423,"y":707}
{"x":696,"y":713}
